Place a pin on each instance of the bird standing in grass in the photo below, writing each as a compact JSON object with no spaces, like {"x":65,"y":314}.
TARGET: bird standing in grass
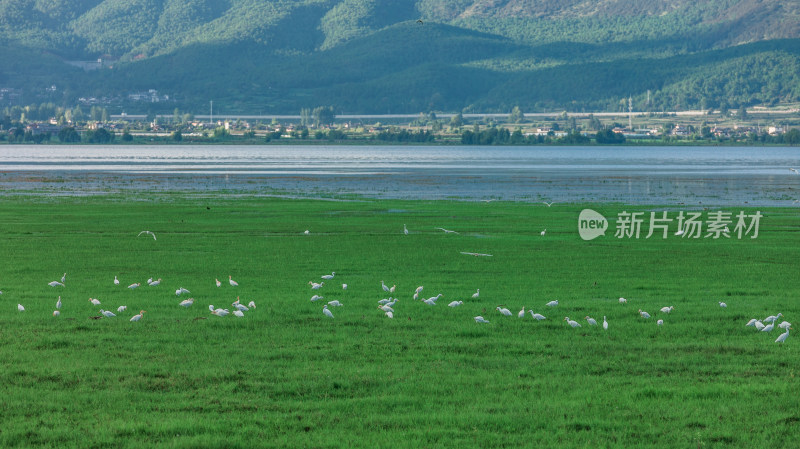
{"x":107,"y":313}
{"x":623,"y":301}
{"x":480,"y":319}
{"x":477,"y":294}
{"x":55,"y":284}
{"x":605,"y":323}
{"x":537,"y":316}
{"x":121,"y":309}
{"x":455,"y":303}
{"x":328,"y":277}
{"x":326,"y":311}
{"x":132,"y":286}
{"x":216,"y":281}
{"x":591,"y":321}
{"x":782,"y":337}
{"x":521,"y":313}
{"x":94,"y":301}
{"x":722,"y":304}
{"x":405,"y":229}
{"x":552,"y":304}
{"x":138,"y":316}
{"x":20,"y":308}
{"x":58,"y":303}
{"x":667,"y":309}
{"x":503,"y":310}
{"x":116,"y":281}
{"x":232,"y":282}
{"x":769,"y":327}
{"x":644,"y":314}
{"x":571,"y":322}
{"x":187,"y":302}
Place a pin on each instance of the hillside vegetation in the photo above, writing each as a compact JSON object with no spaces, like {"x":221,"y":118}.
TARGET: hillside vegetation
{"x":378,"y":56}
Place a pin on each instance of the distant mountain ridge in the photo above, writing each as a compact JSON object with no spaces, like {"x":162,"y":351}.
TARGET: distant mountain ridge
{"x":405,"y":55}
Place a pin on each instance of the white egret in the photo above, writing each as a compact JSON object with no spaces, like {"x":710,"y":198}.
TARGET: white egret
{"x":220,"y":312}
{"x":384,"y":287}
{"x":181,"y":291}
{"x":187,"y":302}
{"x":316,"y":286}
{"x":55,"y":284}
{"x":503,"y":310}
{"x":405,"y":229}
{"x":455,"y":303}
{"x":137,"y":317}
{"x":785,"y":325}
{"x":132,"y":286}
{"x":20,"y":308}
{"x":623,"y":301}
{"x":336,"y":303}
{"x":390,"y":314}
{"x":56,"y":313}
{"x":148,"y":233}
{"x":480,"y":319}
{"x":644,"y":314}
{"x":548,"y":204}
{"x":240,"y":307}
{"x":571,"y":322}
{"x":537,"y":316}
{"x":344,"y":286}
{"x":306,"y":232}
{"x":660,"y":322}
{"x":769,"y":327}
{"x":667,"y":309}
{"x":94,"y":301}
{"x":116,"y":281}
{"x":477,"y":294}
{"x":591,"y":321}
{"x":751,"y":322}
{"x":418,"y":290}
{"x":328,"y":277}
{"x":251,"y":304}
{"x":64,"y":278}
{"x":107,"y":313}
{"x":605,"y":323}
{"x":759,"y":325}
{"x":386,"y":308}
{"x":154,"y":283}
{"x":552,"y":304}
{"x":392,"y":288}
{"x":216,"y":281}
{"x":326,"y":311}
{"x":722,"y":304}
{"x":316,"y":298}
{"x":430,"y":301}
{"x":521,"y":313}
{"x":149,"y":280}
{"x":238,"y":313}
{"x":447,"y":231}
{"x":772,"y":318}
{"x":416,"y":296}
{"x":232,"y":282}
{"x":544,"y":231}
{"x":121,"y":309}
{"x":210,"y":307}
{"x":782,"y":337}
{"x":58,"y":303}
{"x":385,"y":301}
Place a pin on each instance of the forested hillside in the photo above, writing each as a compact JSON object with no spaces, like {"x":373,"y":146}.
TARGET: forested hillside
{"x":378,"y":56}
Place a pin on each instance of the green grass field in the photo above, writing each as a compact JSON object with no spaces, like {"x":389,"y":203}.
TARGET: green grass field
{"x":285,"y":375}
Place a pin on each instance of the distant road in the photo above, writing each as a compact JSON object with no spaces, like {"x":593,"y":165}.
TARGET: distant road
{"x":384,"y":117}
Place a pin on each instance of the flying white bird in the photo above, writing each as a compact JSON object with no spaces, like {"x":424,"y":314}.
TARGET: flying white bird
{"x":238,"y":312}
{"x":148,"y":233}
{"x":447,"y":231}
{"x":56,"y":313}
{"x":644,"y":314}
{"x":116,"y":281}
{"x":521,"y":313}
{"x":605,"y":323}
{"x":316,"y":286}
{"x":660,"y":322}
{"x":232,"y":282}
{"x":336,"y":303}
{"x":503,"y":310}
{"x":328,"y":277}
{"x":107,"y":313}
{"x":476,"y":254}
{"x":782,"y":337}
{"x":121,"y":309}
{"x":20,"y":308}
{"x":94,"y":301}
{"x":316,"y":298}
{"x":137,"y":317}
{"x":187,"y":302}
{"x":537,"y":316}
{"x":455,"y":303}
{"x":552,"y":303}
{"x":480,"y":319}
{"x":591,"y":321}
{"x":477,"y":294}
{"x":132,"y":286}
{"x":326,"y":311}
{"x":58,"y":303}
{"x":623,"y":301}
{"x":216,"y":281}
{"x":405,"y":229}
{"x":667,"y":309}
{"x":571,"y":322}
{"x":55,"y":284}
{"x":181,"y":291}
{"x":794,"y":170}
{"x":154,"y":283}
{"x":548,"y":204}
{"x":722,"y":304}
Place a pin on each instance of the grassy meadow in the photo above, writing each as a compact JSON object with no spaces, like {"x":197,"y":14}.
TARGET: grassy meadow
{"x":285,"y":375}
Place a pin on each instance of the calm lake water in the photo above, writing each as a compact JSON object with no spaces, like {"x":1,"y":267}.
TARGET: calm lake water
{"x":656,"y":175}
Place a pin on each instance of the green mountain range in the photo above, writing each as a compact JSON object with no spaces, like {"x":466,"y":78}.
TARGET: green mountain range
{"x":400,"y":56}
